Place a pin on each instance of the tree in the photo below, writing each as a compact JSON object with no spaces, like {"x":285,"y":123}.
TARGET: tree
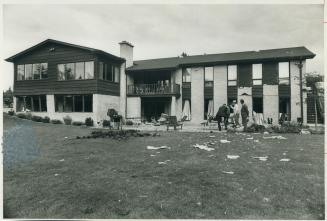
{"x":8,"y":98}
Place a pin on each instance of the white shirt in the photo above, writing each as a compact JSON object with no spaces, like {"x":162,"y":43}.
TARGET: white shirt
{"x":236,"y":109}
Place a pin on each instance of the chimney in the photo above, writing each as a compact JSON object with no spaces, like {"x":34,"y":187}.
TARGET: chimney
{"x":126,"y":51}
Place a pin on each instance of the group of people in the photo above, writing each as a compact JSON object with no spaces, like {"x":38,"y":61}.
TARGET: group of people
{"x":224,"y":112}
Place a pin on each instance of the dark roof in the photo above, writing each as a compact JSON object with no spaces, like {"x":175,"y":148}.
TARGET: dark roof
{"x":247,"y":56}
{"x":97,"y":51}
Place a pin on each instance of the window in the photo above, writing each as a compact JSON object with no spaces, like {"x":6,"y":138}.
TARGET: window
{"x":77,"y":71}
{"x":186,"y":75}
{"x":101,"y":70}
{"x":44,"y":70}
{"x":74,"y":103}
{"x":28,"y":72}
{"x":257,"y":74}
{"x":257,"y":104}
{"x":284,"y":73}
{"x":284,"y":109}
{"x":35,"y":103}
{"x":232,"y":75}
{"x":208,"y":108}
{"x":36,"y":71}
{"x":20,"y":72}
{"x":208,"y":76}
{"x":108,"y":72}
{"x":117,"y":74}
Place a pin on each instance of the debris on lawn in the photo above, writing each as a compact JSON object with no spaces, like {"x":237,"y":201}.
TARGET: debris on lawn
{"x":66,"y":137}
{"x":157,"y":148}
{"x":152,"y":155}
{"x":211,"y":155}
{"x":224,"y":141}
{"x":266,"y":132}
{"x":257,"y":141}
{"x":203,"y":147}
{"x":213,"y":136}
{"x":284,"y":160}
{"x":265,"y":199}
{"x":56,"y":174}
{"x":233,"y":157}
{"x":303,"y":131}
{"x":62,"y":160}
{"x":228,"y":172}
{"x":199,"y":203}
{"x":261,"y":158}
{"x":163,"y":162}
{"x":249,"y":138}
{"x":276,"y":137}
{"x":143,"y":196}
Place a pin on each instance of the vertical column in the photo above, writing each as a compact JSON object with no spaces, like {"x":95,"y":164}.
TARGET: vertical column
{"x":15,"y":103}
{"x":51,"y":105}
{"x":173,"y":106}
{"x":219,"y":86}
{"x":271,"y":102}
{"x":133,"y":107}
{"x":123,"y":89}
{"x":179,"y":100}
{"x":295,"y":90}
{"x":197,"y":92}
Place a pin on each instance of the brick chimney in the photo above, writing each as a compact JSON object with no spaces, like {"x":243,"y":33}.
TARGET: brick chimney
{"x":126,"y":51}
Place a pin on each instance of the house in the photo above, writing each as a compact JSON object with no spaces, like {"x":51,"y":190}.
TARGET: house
{"x":56,"y":79}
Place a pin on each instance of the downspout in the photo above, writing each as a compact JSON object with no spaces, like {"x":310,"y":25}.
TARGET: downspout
{"x":301,"y":91}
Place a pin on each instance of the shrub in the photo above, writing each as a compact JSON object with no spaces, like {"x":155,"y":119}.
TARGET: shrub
{"x":22,"y":115}
{"x":11,"y":112}
{"x":89,"y":122}
{"x":129,"y":122}
{"x":106,"y":123}
{"x":46,"y":119}
{"x":77,"y":123}
{"x":56,"y":121}
{"x":287,"y":127}
{"x":68,"y":120}
{"x":36,"y":118}
{"x":28,"y":116}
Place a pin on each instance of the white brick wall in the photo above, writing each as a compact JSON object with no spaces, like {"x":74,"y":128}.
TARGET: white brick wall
{"x":219,"y":86}
{"x":179,"y":101}
{"x":197,"y":92}
{"x":271,"y":103}
{"x":123,"y":90}
{"x":295,"y":90}
{"x":133,"y":107}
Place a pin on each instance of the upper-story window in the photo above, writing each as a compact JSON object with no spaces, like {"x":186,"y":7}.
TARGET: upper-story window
{"x":109,"y":72}
{"x":284,"y":73}
{"x":232,"y":75}
{"x":76,"y":71}
{"x":257,"y":74}
{"x":186,"y":74}
{"x":208,"y":76}
{"x":32,"y":71}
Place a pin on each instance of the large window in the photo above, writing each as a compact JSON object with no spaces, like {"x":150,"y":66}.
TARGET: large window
{"x":232,"y":75}
{"x":208,"y":76}
{"x":257,"y":74}
{"x":32,"y":71}
{"x":74,"y":103}
{"x":284,"y":73}
{"x":109,"y":72}
{"x":77,"y":71}
{"x":186,"y":75}
{"x":35,"y":103}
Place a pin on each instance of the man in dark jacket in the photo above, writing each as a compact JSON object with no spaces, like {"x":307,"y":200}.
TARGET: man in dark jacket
{"x":244,"y":114}
{"x":223,"y":112}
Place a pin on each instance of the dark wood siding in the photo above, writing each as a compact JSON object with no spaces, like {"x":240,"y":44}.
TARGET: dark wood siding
{"x":270,"y":73}
{"x":244,"y":75}
{"x":186,"y":90}
{"x":208,"y":92}
{"x":257,"y":91}
{"x":61,"y":54}
{"x":232,"y":91}
{"x":284,"y":90}
{"x":107,"y":87}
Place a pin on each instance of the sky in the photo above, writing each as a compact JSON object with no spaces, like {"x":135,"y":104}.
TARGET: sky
{"x":165,"y":30}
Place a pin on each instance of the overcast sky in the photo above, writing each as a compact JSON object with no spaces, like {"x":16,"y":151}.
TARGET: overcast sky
{"x":165,"y":30}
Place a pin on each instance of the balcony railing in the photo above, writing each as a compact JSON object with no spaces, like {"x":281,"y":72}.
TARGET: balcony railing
{"x":153,"y":89}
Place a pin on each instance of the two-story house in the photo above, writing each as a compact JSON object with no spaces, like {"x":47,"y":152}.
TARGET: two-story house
{"x":56,"y":79}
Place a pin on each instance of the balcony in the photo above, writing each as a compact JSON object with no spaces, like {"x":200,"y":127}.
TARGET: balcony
{"x":153,"y":90}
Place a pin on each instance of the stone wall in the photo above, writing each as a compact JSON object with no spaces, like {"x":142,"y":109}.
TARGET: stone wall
{"x":197,"y":91}
{"x":271,"y":102}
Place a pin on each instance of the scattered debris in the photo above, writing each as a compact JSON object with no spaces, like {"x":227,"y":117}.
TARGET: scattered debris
{"x":255,"y":190}
{"x":203,"y":147}
{"x":212,"y":136}
{"x":233,"y":157}
{"x":224,"y":141}
{"x":66,"y":137}
{"x":276,"y":137}
{"x":163,"y":162}
{"x":266,"y":132}
{"x":62,"y":160}
{"x":170,"y":183}
{"x":261,"y":158}
{"x":303,"y":131}
{"x":157,"y":148}
{"x":249,"y":138}
{"x":228,"y":172}
{"x":265,"y":199}
{"x":284,"y":160}
{"x":257,"y":141}
{"x":56,"y":174}
{"x":211,"y":155}
{"x":284,"y":154}
{"x":152,"y":155}
{"x":143,"y":196}
{"x":199,"y":203}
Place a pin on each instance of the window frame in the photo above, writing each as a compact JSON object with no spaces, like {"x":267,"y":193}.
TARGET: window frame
{"x":208,"y":83}
{"x":184,"y":77}
{"x":233,"y":80}
{"x":63,"y":97}
{"x":74,"y":78}
{"x":32,"y":99}
{"x":33,"y":65}
{"x":284,"y":78}
{"x":256,"y":79}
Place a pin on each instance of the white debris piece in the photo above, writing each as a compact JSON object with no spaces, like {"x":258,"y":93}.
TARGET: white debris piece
{"x":56,"y":174}
{"x":261,"y":158}
{"x":212,"y":136}
{"x":164,"y":162}
{"x":233,"y":157}
{"x":266,"y":132}
{"x":62,"y":160}
{"x":284,"y":160}
{"x":224,"y":141}
{"x":276,"y":137}
{"x":228,"y":172}
{"x":305,"y":132}
{"x":152,"y":155}
{"x":249,"y":138}
{"x":203,"y":147}
{"x":66,"y":137}
{"x":257,"y":141}
{"x":157,"y":148}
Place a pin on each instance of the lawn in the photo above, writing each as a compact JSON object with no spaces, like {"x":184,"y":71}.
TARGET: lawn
{"x":48,"y":173}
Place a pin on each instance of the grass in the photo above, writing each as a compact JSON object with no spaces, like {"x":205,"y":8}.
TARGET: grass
{"x":106,"y":178}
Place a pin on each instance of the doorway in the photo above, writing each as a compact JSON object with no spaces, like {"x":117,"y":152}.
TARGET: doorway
{"x":154,"y":107}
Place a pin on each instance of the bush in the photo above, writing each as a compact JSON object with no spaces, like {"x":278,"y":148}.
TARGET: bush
{"x":36,"y":118}
{"x":77,"y":123}
{"x":129,"y":122}
{"x":28,"y":116}
{"x":22,"y":115}
{"x":56,"y":121}
{"x":89,"y":122}
{"x":68,"y":120}
{"x":46,"y":119}
{"x":106,"y":123}
{"x":287,"y":127}
{"x":255,"y":128}
{"x":11,"y":112}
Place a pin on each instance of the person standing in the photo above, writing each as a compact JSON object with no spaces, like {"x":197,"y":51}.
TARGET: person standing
{"x":223,"y":112}
{"x":236,"y":115}
{"x":244,"y":114}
